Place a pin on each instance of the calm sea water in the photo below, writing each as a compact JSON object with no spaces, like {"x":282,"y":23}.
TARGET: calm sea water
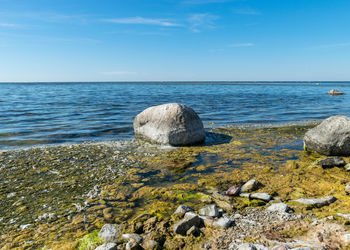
{"x":51,"y":113}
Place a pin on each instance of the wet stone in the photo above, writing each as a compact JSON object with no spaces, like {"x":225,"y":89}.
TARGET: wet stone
{"x":190,"y":219}
{"x":210,"y":210}
{"x":330,"y":162}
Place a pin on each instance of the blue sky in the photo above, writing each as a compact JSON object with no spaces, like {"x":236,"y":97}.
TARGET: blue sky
{"x":127,"y":40}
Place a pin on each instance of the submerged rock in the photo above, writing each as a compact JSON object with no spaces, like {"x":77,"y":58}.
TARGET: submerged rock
{"x":320,"y":202}
{"x":335,"y":92}
{"x":172,"y":123}
{"x":331,"y":137}
{"x":329,"y":162}
{"x":191,"y":219}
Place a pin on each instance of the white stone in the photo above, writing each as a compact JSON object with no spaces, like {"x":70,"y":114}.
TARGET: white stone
{"x":278,"y":207}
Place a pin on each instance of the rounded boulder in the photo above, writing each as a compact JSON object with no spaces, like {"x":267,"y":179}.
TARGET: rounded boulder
{"x":172,"y":124}
{"x":331,"y":137}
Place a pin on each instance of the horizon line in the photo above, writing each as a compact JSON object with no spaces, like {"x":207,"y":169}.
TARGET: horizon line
{"x":184,"y":81}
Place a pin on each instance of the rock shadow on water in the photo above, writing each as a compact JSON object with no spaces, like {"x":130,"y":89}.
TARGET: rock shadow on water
{"x":213,"y":138}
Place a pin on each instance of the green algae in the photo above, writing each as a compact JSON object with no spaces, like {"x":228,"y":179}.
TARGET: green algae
{"x":89,"y":241}
{"x":86,"y":186}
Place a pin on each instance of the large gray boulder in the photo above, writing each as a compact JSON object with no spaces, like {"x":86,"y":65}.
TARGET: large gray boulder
{"x":331,"y":137}
{"x":172,"y":123}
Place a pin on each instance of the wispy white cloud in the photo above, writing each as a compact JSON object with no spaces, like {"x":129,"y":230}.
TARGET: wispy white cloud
{"x":118,"y":73}
{"x":236,"y":45}
{"x":246,"y":11}
{"x":8,"y":25}
{"x":142,"y":20}
{"x":334,"y":45}
{"x":201,"y":21}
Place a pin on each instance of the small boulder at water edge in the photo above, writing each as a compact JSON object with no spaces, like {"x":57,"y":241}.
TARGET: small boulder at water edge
{"x":331,"y":137}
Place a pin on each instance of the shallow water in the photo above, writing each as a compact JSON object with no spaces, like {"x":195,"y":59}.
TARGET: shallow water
{"x":54,"y":113}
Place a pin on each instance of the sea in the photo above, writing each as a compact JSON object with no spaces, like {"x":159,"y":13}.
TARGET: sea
{"x":36,"y":114}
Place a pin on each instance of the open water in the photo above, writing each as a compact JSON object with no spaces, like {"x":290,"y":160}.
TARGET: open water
{"x":53,"y":113}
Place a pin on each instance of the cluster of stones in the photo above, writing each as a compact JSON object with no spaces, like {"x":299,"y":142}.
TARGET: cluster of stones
{"x":209,"y":216}
{"x":111,"y":235}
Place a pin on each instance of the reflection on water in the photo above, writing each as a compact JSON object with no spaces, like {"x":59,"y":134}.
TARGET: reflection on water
{"x":34,"y":114}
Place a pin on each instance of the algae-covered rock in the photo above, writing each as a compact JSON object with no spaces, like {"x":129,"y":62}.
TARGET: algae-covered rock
{"x":331,"y":137}
{"x":172,"y":123}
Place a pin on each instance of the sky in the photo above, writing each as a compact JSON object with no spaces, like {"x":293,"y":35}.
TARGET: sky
{"x":168,"y":40}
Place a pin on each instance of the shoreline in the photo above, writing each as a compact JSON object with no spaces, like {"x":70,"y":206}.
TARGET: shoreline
{"x":79,"y":188}
{"x":208,"y":131}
